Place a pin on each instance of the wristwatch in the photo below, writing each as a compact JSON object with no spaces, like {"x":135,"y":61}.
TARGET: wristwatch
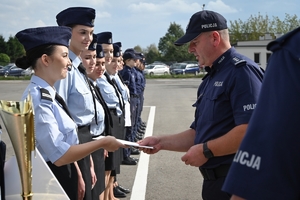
{"x":207,"y":152}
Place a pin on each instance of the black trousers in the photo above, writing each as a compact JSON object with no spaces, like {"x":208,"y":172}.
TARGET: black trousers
{"x":211,"y":190}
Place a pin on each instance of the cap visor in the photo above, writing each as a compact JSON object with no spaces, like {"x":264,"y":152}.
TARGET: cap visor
{"x":186,"y":38}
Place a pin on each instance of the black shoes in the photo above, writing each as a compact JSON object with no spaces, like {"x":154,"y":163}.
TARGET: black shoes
{"x":118,"y":193}
{"x":126,"y":191}
{"x":135,"y":151}
{"x":129,"y":161}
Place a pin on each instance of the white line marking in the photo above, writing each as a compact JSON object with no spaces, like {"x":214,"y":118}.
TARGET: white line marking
{"x":140,"y":181}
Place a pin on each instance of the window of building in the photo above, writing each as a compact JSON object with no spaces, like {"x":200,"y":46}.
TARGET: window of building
{"x":257,"y":58}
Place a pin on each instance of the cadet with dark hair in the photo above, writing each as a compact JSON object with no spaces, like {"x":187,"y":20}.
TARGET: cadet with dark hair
{"x":225,"y":101}
{"x":55,"y":131}
{"x":267,"y":165}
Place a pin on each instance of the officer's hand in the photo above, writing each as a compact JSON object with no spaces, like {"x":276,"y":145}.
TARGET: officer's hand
{"x":112,"y":144}
{"x":194,"y":156}
{"x":150,"y":141}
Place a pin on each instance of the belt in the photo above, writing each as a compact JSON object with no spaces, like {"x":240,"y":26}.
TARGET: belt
{"x":214,"y":173}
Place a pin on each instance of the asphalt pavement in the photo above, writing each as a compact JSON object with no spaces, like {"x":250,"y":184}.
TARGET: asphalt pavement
{"x":167,"y":110}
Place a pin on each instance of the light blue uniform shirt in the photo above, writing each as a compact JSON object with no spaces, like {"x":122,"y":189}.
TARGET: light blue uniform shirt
{"x":122,"y":88}
{"x":109,"y":94}
{"x":98,"y":129}
{"x":76,"y":93}
{"x":55,"y":131}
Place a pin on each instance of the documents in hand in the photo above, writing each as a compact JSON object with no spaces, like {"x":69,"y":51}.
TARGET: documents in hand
{"x":134,"y":144}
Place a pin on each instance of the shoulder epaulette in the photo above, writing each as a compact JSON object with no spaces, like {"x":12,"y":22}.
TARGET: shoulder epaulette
{"x":238,"y":62}
{"x":45,"y":94}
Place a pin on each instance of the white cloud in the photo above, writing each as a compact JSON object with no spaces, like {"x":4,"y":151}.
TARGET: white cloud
{"x":102,"y":15}
{"x":220,"y":6}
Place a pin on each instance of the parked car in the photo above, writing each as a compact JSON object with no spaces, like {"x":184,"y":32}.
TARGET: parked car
{"x":156,"y":69}
{"x":27,"y":72}
{"x":11,"y":70}
{"x":185,"y":68}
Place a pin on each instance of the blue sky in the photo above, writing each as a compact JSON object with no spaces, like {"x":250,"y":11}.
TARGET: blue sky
{"x":135,"y":22}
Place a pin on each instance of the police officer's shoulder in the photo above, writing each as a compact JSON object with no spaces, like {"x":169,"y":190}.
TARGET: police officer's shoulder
{"x":45,"y":95}
{"x":238,"y":62}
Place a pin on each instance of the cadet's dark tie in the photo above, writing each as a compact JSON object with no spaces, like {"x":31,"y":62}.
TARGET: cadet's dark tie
{"x":118,"y":92}
{"x":60,"y":100}
{"x":108,"y":120}
{"x":82,"y":70}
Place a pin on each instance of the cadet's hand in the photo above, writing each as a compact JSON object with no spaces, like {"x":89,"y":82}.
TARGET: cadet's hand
{"x":150,"y":141}
{"x":112,"y":144}
{"x":81,"y":188}
{"x":194,"y":156}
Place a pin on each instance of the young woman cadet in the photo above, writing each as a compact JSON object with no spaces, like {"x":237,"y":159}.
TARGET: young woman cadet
{"x":55,"y":131}
{"x":75,"y":89}
{"x":104,"y":123}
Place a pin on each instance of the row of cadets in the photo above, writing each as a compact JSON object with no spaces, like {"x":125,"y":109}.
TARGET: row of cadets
{"x":55,"y":126}
{"x":114,"y":100}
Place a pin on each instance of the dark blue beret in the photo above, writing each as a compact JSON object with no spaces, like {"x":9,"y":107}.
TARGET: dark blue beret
{"x":93,"y":45}
{"x":119,"y":44}
{"x":117,"y":50}
{"x":76,"y":15}
{"x":50,"y":35}
{"x":129,"y":55}
{"x":104,"y":38}
{"x":99,"y":51}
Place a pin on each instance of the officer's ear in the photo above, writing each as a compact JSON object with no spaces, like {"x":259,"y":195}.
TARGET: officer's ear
{"x":45,"y":59}
{"x":216,"y":38}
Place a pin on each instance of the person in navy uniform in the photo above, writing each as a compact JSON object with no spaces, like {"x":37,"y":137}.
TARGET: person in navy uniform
{"x":55,"y":131}
{"x":225,"y":102}
{"x":128,"y":74}
{"x":75,"y":89}
{"x":266,"y":165}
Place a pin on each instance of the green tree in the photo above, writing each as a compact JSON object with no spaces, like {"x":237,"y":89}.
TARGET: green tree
{"x":169,"y":51}
{"x":152,"y":54}
{"x":14,"y":48}
{"x":3,"y":45}
{"x":4,"y":59}
{"x":259,"y":25}
{"x":137,"y":48}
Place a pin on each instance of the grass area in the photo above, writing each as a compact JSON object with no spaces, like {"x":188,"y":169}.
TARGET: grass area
{"x":2,"y":78}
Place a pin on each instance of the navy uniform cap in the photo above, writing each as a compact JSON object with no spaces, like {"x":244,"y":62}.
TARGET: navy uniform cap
{"x":76,"y":15}
{"x":104,"y":38}
{"x":200,"y":22}
{"x":99,"y":51}
{"x":117,"y":50}
{"x":93,"y":45}
{"x":34,"y":37}
{"x":120,"y":45}
{"x":129,"y":55}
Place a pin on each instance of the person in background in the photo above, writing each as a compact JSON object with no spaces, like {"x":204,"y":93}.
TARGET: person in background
{"x":266,"y":165}
{"x":128,"y":74}
{"x":76,"y":90}
{"x":55,"y":131}
{"x":225,"y":102}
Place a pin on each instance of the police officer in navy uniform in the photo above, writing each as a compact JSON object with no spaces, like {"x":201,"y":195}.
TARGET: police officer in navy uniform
{"x":75,"y":89}
{"x":225,"y":101}
{"x":55,"y":131}
{"x":266,"y":165}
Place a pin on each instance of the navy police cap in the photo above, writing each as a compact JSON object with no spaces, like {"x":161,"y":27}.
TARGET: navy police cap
{"x":76,"y":15}
{"x":120,"y":45}
{"x":200,"y":22}
{"x":129,"y":54}
{"x":93,"y":45}
{"x":104,"y":38}
{"x":34,"y":37}
{"x":99,"y":51}
{"x":117,"y":50}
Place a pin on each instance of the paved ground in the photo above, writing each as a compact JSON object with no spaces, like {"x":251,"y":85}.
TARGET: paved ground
{"x":167,"y":110}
